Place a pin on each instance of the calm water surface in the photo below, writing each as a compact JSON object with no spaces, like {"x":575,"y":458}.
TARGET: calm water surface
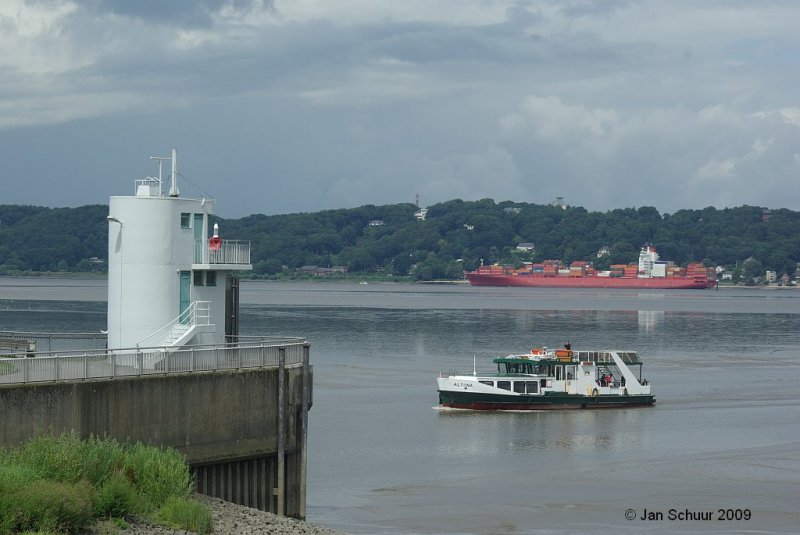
{"x":383,"y":459}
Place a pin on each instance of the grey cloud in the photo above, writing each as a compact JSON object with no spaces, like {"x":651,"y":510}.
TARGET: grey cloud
{"x":180,"y":13}
{"x":593,"y":8}
{"x":320,"y":112}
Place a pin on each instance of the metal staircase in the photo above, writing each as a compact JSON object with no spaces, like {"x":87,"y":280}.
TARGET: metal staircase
{"x":195,"y":319}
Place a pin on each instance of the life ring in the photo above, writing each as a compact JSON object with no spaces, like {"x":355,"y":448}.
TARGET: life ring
{"x":537,"y":351}
{"x":214,"y":243}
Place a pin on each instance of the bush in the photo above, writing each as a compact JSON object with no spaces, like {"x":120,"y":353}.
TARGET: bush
{"x":7,"y":518}
{"x":184,"y":513}
{"x":159,"y":473}
{"x":68,"y":459}
{"x":51,"y":457}
{"x":60,"y":483}
{"x":53,"y":506}
{"x":14,"y":476}
{"x":116,"y":498}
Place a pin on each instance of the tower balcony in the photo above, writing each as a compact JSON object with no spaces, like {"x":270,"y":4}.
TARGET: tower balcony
{"x":225,"y":255}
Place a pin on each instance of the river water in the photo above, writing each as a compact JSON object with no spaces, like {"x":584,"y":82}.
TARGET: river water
{"x":723,"y":435}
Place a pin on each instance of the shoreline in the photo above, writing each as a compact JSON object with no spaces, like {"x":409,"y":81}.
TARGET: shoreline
{"x":357,"y":281}
{"x":228,"y":518}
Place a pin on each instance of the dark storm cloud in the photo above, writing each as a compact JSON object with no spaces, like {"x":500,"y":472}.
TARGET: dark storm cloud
{"x":185,"y":13}
{"x":306,"y":105}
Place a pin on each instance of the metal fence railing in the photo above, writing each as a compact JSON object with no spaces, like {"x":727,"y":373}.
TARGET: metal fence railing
{"x":50,"y":342}
{"x":227,"y":252}
{"x":103,"y":364}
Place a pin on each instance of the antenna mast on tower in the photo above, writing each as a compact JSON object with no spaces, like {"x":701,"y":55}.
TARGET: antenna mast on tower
{"x":173,"y":190}
{"x":160,"y":178}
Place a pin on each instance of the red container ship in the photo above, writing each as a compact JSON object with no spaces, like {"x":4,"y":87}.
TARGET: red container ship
{"x":650,"y":272}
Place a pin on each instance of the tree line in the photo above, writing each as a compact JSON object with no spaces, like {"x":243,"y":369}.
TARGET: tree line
{"x":454,"y":236}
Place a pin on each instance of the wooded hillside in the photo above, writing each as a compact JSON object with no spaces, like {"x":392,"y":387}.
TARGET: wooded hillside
{"x":455,"y":236}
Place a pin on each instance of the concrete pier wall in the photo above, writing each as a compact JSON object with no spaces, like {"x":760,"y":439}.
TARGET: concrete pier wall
{"x":225,"y":422}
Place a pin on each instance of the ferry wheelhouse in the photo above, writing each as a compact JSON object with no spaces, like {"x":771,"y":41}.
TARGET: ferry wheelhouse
{"x":551,"y":379}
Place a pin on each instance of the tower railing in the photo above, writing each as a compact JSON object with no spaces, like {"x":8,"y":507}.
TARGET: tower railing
{"x":226,"y":252}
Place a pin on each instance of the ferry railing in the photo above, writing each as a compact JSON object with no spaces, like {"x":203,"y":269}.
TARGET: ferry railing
{"x":197,"y":313}
{"x":226,"y":252}
{"x":94,"y":364}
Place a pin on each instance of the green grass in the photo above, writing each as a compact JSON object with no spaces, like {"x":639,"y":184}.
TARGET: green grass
{"x":7,"y":367}
{"x":183,"y":513}
{"x":63,"y":484}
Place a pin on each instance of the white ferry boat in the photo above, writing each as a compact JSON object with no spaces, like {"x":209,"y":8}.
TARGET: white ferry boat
{"x":551,"y":379}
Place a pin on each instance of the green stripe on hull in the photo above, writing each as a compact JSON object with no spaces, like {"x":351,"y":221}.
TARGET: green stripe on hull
{"x":551,"y":400}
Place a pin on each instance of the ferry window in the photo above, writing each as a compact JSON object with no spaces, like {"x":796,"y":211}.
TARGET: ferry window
{"x":519,"y":387}
{"x":505,"y":385}
{"x":488,"y":383}
{"x":198,"y":278}
{"x":532,"y":387}
{"x":211,"y":278}
{"x":186,"y":219}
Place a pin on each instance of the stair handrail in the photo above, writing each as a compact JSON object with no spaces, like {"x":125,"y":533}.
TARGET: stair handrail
{"x":196,"y":310}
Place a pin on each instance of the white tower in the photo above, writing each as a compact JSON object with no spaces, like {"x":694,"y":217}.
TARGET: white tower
{"x":166,"y":278}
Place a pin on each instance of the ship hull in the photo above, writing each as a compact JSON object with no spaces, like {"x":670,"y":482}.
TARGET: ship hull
{"x":479,"y":279}
{"x":493,"y":402}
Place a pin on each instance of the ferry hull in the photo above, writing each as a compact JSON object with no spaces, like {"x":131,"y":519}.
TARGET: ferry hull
{"x":494,"y":402}
{"x":655,"y":283}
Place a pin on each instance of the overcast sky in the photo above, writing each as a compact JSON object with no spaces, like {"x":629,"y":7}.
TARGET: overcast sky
{"x":297,"y":106}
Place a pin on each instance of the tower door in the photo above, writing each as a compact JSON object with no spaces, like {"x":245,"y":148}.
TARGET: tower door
{"x":231,"y":307}
{"x":199,"y":242}
{"x":186,"y":284}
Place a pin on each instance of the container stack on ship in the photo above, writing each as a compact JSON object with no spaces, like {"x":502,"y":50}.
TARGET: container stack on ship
{"x":650,"y":272}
